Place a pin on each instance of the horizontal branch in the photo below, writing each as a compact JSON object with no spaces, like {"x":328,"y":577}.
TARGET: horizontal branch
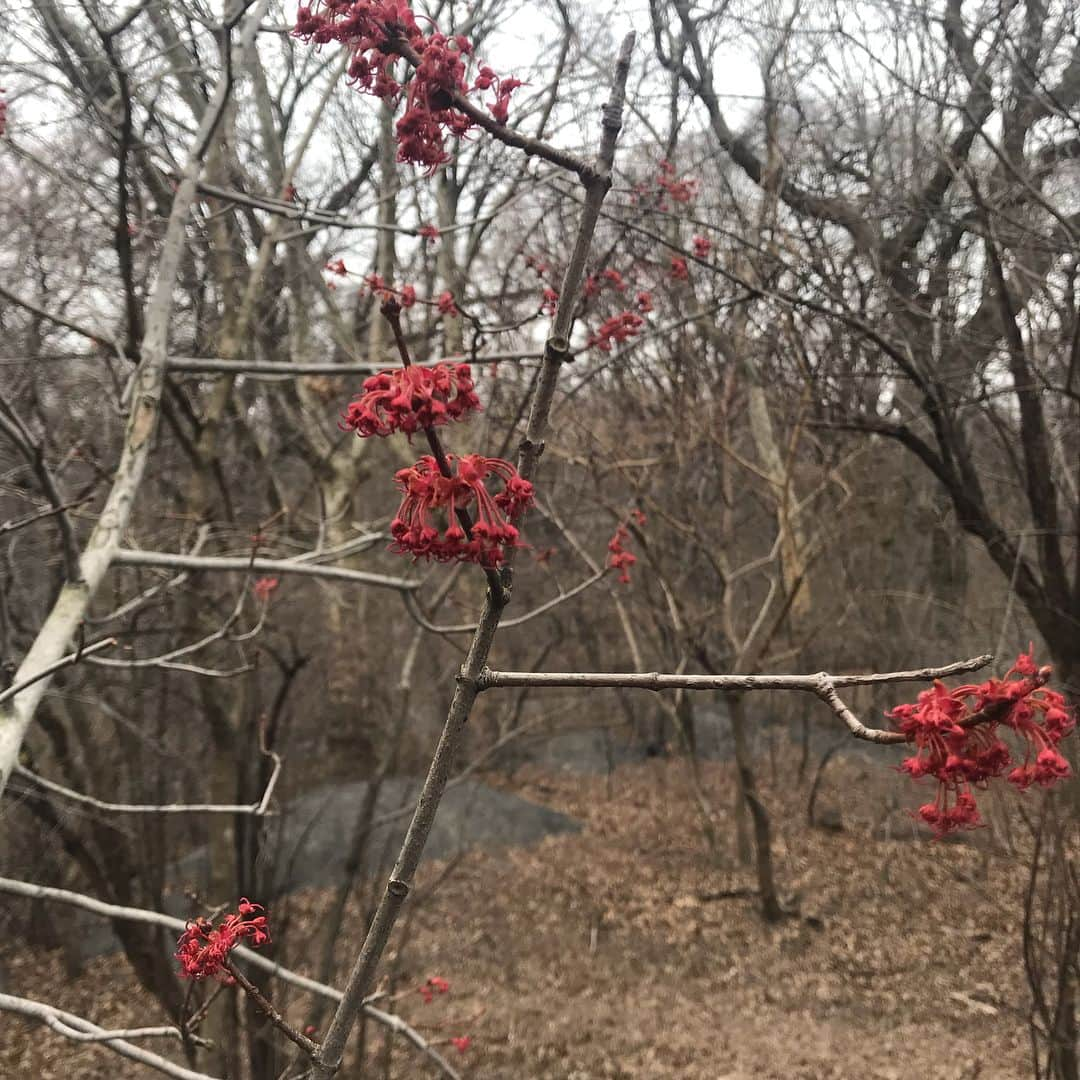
{"x":57,"y":665}
{"x":822,"y":685}
{"x":81,"y":1030}
{"x":244,"y":564}
{"x":216,"y":365}
{"x":734,"y":684}
{"x":256,"y":809}
{"x":15,"y":524}
{"x":156,"y":918}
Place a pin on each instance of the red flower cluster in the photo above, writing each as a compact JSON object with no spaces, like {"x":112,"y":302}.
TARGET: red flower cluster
{"x":702,"y":247}
{"x":618,"y":557}
{"x":411,"y":399}
{"x":447,"y":306}
{"x":379,"y":32}
{"x":264,"y":587}
{"x":679,"y":270}
{"x":538,"y":266}
{"x":428,"y":232}
{"x":3,"y":113}
{"x":434,"y":985}
{"x":681,"y":191}
{"x":500,"y":107}
{"x":644,"y":302}
{"x":610,"y":278}
{"x":956,"y":736}
{"x":617,"y":328}
{"x":550,"y":301}
{"x":202,"y":950}
{"x":461,"y":1043}
{"x":405,"y":296}
{"x":426,"y":490}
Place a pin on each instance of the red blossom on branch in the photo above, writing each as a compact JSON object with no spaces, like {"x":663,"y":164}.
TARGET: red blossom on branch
{"x":3,"y":112}
{"x":550,"y":301}
{"x":614,"y":279}
{"x":428,"y":232}
{"x":446,"y":305}
{"x":618,"y":557}
{"x":411,"y":399}
{"x":536,"y":265}
{"x":644,"y":302}
{"x":203,"y":948}
{"x":956,"y":735}
{"x":379,"y":32}
{"x":264,"y":587}
{"x":681,"y":191}
{"x":617,"y":328}
{"x":461,"y":1043}
{"x":434,"y":985}
{"x":679,"y":270}
{"x":337,"y":267}
{"x":428,"y":523}
{"x":702,"y":247}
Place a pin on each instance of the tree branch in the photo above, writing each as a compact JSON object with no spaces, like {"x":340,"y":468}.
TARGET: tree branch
{"x":239,"y":564}
{"x":75,"y":1027}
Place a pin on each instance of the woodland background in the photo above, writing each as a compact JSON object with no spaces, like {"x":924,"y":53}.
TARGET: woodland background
{"x":853,"y":430}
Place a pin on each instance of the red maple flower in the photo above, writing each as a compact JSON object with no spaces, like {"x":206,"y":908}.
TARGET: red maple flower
{"x":615,"y":279}
{"x":377,"y":286}
{"x":500,"y":107}
{"x":536,"y":265}
{"x":378,"y":32}
{"x":618,"y":557}
{"x":702,"y":247}
{"x":427,"y":524}
{"x":550,"y":302}
{"x":264,"y":587}
{"x":679,"y":270}
{"x":3,"y":112}
{"x":203,"y":948}
{"x":411,"y":399}
{"x":407,"y":296}
{"x":428,"y":232}
{"x":681,"y":191}
{"x":337,"y":267}
{"x":956,"y":735}
{"x":644,"y":302}
{"x":617,"y":328}
{"x":446,"y":304}
{"x":461,"y":1043}
{"x":434,"y":985}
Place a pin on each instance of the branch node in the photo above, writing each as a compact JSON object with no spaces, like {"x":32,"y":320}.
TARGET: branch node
{"x":557,"y":350}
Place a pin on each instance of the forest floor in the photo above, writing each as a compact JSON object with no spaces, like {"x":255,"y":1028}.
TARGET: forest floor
{"x":619,"y":951}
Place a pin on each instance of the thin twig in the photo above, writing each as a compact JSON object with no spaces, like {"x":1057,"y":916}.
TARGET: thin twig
{"x":57,"y":665}
{"x":265,"y":1006}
